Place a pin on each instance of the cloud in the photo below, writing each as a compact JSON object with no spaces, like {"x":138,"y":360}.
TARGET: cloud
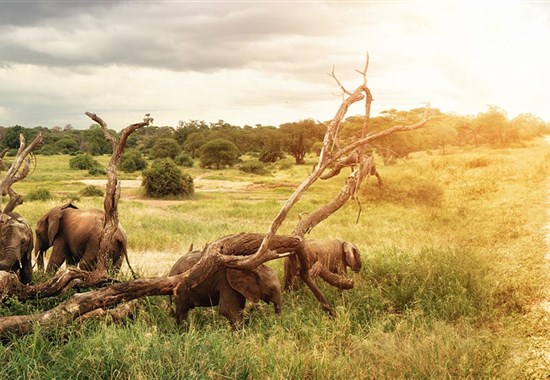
{"x":265,"y":62}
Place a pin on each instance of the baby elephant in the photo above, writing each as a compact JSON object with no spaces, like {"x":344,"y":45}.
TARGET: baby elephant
{"x":335,"y":255}
{"x":228,"y":288}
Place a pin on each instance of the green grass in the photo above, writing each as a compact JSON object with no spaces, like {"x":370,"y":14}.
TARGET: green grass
{"x":453,"y":270}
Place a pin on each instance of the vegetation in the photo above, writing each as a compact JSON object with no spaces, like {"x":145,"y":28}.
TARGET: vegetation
{"x":164,"y":179}
{"x":83,"y":162}
{"x":165,"y":148}
{"x":254,"y":167}
{"x":91,"y":191}
{"x":219,"y":153}
{"x":132,"y":160}
{"x":452,"y":277}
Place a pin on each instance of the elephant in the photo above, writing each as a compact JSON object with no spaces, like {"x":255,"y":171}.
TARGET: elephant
{"x":334,"y":254}
{"x":228,"y":288}
{"x":16,"y":244}
{"x":75,"y":236}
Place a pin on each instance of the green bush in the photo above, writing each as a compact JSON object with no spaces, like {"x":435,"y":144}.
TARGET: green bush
{"x":132,"y":160}
{"x":218,"y":154}
{"x":254,"y":167}
{"x":164,"y":179}
{"x":97,"y":170}
{"x":165,"y":148}
{"x":184,"y":159}
{"x":39,"y":195}
{"x":91,"y":191}
{"x":83,"y":162}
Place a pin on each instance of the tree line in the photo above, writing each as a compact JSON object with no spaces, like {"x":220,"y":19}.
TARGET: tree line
{"x":190,"y":139}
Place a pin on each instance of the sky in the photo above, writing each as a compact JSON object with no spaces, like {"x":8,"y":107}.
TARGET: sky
{"x":266,"y":62}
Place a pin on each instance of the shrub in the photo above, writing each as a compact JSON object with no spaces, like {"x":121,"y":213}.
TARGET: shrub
{"x":478,"y":162}
{"x":218,"y":153}
{"x":97,"y":170}
{"x":254,"y":167}
{"x":165,"y":148}
{"x":83,"y":162}
{"x":91,"y":191}
{"x":184,"y":159}
{"x":164,"y":179}
{"x":39,"y":195}
{"x":132,"y":160}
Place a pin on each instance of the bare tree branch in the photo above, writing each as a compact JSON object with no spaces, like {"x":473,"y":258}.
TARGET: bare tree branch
{"x":18,"y":170}
{"x":112,"y":194}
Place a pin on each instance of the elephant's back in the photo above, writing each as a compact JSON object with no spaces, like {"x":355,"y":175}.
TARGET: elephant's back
{"x":185,"y":263}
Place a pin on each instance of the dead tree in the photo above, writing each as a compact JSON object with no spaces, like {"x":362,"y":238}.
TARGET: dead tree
{"x":18,"y":170}
{"x":241,"y":251}
{"x":112,"y":195}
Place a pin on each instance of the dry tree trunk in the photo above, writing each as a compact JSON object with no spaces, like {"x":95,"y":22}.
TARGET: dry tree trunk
{"x":217,"y":254}
{"x":112,"y":195}
{"x":18,"y":170}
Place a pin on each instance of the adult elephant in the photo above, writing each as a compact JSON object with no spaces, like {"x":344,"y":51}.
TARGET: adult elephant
{"x":16,"y":243}
{"x":228,"y":288}
{"x":334,"y":254}
{"x":74,"y":235}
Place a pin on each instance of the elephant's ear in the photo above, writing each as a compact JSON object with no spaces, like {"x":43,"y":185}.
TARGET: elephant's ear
{"x":353,"y":256}
{"x":53,"y":224}
{"x":245,"y":282}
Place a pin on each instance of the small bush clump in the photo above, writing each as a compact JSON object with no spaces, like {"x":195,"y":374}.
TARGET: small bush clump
{"x":97,"y":170}
{"x":83,"y":162}
{"x":164,"y":179}
{"x":132,"y":160}
{"x":39,"y":195}
{"x":184,"y":159}
{"x":91,"y":191}
{"x":254,"y":167}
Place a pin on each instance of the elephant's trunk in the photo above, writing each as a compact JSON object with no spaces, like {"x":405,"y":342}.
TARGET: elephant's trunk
{"x":8,"y":257}
{"x":39,"y":253}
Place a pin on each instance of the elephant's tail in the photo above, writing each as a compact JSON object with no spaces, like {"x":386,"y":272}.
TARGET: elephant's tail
{"x":125,"y":251}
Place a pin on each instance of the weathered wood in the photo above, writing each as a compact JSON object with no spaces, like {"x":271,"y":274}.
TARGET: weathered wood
{"x":17,"y":171}
{"x":215,"y":257}
{"x":112,"y":193}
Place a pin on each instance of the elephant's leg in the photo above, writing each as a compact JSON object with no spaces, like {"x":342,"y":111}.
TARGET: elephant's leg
{"x":57,"y":258}
{"x":89,"y":259}
{"x":232,"y":306}
{"x":182,"y":305}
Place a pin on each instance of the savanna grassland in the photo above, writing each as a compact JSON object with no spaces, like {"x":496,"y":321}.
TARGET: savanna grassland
{"x":452,"y":283}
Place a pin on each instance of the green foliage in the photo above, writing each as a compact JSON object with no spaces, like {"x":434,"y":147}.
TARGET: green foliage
{"x":97,"y":170}
{"x":38,"y":195}
{"x":83,"y":162}
{"x":299,"y":138}
{"x":184,"y":159}
{"x":91,"y":191}
{"x":165,"y":148}
{"x":67,"y":146}
{"x":132,"y":160}
{"x":218,"y":154}
{"x":254,"y":167}
{"x":164,"y":179}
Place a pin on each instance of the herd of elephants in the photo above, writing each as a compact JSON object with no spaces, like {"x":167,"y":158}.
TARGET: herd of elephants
{"x":74,"y":236}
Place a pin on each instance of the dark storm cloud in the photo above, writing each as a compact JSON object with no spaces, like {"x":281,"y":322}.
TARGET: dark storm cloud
{"x":170,"y":35}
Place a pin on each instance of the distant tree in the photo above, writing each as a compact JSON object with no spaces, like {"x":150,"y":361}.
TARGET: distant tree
{"x":185,"y":128}
{"x":94,"y":141}
{"x":299,"y":138}
{"x":184,"y":159}
{"x":67,"y":145}
{"x":165,"y":148}
{"x":194,"y":141}
{"x":218,"y":153}
{"x":164,"y":179}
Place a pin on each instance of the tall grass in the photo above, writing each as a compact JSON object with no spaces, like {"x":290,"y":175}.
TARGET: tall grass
{"x":453,"y":270}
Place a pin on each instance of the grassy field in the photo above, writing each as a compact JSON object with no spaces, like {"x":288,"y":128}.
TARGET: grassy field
{"x":452,"y":282}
